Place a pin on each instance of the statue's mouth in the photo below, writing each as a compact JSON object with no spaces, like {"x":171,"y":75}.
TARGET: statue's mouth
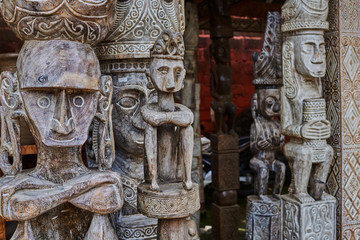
{"x":63,"y":140}
{"x":140,"y":142}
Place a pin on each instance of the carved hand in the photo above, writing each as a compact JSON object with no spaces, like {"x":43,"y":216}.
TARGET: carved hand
{"x":182,"y":117}
{"x":264,"y":144}
{"x":316,"y":130}
{"x":99,"y":192}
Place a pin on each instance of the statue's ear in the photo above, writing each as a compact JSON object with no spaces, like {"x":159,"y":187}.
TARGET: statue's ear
{"x":11,"y":110}
{"x":290,"y":86}
{"x":254,"y":105}
{"x":102,"y":138}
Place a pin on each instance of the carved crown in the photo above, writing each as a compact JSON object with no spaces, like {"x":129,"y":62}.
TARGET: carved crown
{"x":305,"y":15}
{"x":85,"y":21}
{"x":267,"y":66}
{"x":169,"y":45}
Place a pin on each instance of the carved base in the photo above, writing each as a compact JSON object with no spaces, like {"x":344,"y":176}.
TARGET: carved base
{"x":225,"y":222}
{"x":172,"y":201}
{"x":263,"y":219}
{"x":224,"y":142}
{"x":315,"y":220}
{"x":137,"y":226}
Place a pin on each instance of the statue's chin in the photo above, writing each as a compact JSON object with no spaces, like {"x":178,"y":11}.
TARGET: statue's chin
{"x":318,"y":74}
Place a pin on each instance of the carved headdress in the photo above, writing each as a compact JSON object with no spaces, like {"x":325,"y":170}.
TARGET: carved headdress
{"x":305,"y":15}
{"x":267,"y":66}
{"x":169,"y":45}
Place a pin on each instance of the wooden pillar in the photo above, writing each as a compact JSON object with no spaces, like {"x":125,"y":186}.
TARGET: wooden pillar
{"x":224,"y":144}
{"x":342,"y":93}
{"x":190,"y":94}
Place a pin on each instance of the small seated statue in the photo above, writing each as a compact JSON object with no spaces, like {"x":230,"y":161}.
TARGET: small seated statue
{"x":265,"y":137}
{"x":167,"y":74}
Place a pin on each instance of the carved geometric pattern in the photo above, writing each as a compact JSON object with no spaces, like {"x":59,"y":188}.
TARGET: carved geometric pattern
{"x":352,"y":117}
{"x":351,"y":62}
{"x":332,"y":64}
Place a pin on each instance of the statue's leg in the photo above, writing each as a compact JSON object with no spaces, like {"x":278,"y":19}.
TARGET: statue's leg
{"x":299,"y":157}
{"x":151,"y":154}
{"x":219,"y":111}
{"x":231,"y":109}
{"x":279,"y":168}
{"x":186,"y":153}
{"x":320,"y":173}
{"x":262,"y":176}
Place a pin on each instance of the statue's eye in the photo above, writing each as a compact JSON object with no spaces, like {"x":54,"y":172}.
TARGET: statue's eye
{"x":78,"y":101}
{"x":127,"y":103}
{"x":163,"y":70}
{"x":43,"y":102}
{"x":178,"y":73}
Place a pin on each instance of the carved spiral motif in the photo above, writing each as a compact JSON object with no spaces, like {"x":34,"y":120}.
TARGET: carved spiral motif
{"x":291,"y":89}
{"x":82,"y":21}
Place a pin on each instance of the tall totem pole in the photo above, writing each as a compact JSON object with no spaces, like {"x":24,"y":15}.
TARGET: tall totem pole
{"x":263,"y":220}
{"x":224,"y":144}
{"x":125,"y":55}
{"x":59,"y":91}
{"x":306,"y":214}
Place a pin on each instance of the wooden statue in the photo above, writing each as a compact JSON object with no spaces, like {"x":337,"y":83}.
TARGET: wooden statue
{"x":266,"y":138}
{"x":303,"y":119}
{"x":221,"y":71}
{"x":125,"y":55}
{"x":168,"y":192}
{"x":59,"y":91}
{"x":263,"y":215}
{"x":303,"y":65}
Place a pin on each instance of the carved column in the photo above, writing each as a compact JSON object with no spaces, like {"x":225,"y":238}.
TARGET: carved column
{"x":125,"y":55}
{"x":342,"y":93}
{"x":263,"y":219}
{"x":224,"y":144}
{"x":190,"y":94}
{"x":168,"y":192}
{"x":306,"y":214}
{"x":59,"y":92}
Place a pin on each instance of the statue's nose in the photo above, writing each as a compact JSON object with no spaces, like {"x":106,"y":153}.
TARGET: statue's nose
{"x":170,"y":84}
{"x":276,"y":107}
{"x":62,"y":122}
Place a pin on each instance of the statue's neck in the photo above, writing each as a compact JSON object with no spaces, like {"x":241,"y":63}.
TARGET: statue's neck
{"x":59,"y":164}
{"x":129,"y":165}
{"x":166,"y":101}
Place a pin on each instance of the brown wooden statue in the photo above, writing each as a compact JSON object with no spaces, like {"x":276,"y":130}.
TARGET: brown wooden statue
{"x":221,"y":72}
{"x":168,"y":192}
{"x":59,"y":91}
{"x":266,"y":138}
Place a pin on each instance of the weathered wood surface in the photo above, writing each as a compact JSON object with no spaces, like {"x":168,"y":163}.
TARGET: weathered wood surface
{"x":303,"y":119}
{"x":59,"y":92}
{"x":168,"y":192}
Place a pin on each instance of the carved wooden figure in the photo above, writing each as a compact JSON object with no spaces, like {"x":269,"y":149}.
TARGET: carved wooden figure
{"x":266,"y":138}
{"x":303,"y":120}
{"x":125,"y":55}
{"x":263,"y":216}
{"x":303,"y":66}
{"x":59,"y":91}
{"x":168,"y":193}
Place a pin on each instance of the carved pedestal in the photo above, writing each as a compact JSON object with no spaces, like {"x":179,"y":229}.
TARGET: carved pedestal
{"x":225,"y":178}
{"x":171,"y":205}
{"x":314,"y":220}
{"x":263,"y":218}
{"x":136,"y":226}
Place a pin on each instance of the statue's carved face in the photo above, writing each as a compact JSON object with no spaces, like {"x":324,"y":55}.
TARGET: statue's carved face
{"x":269,"y":101}
{"x":60,"y":90}
{"x":167,"y":75}
{"x":60,"y":116}
{"x":131,"y":92}
{"x":310,"y":59}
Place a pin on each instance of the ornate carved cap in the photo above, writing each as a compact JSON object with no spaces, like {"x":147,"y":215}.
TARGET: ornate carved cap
{"x":86,"y":21}
{"x":267,"y":63}
{"x":305,"y":15}
{"x":169,"y":45}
